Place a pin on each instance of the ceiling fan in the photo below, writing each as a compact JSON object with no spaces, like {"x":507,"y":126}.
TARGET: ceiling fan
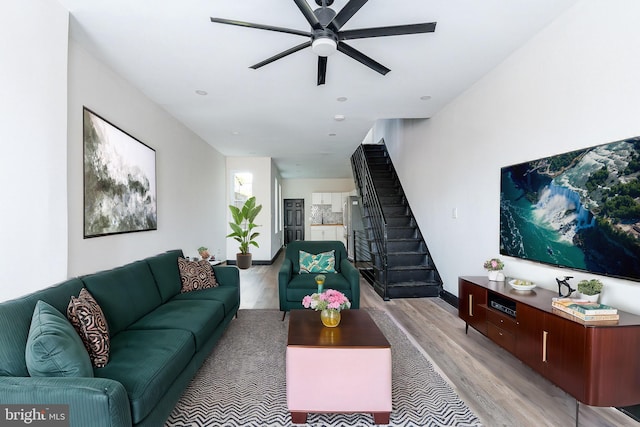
{"x":325,"y":36}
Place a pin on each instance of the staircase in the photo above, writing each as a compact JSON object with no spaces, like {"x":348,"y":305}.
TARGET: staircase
{"x":399,"y":264}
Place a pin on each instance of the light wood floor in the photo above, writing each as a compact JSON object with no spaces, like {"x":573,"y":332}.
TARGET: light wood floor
{"x":500,"y":389}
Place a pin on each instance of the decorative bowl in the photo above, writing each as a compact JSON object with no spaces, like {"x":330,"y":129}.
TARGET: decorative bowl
{"x":522,"y":285}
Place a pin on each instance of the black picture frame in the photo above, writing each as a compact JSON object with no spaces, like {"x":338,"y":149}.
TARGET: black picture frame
{"x":119,"y":180}
{"x":579,"y":210}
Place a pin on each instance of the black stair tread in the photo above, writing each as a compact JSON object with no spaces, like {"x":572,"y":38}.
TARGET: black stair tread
{"x":413,"y":284}
{"x":411,"y":267}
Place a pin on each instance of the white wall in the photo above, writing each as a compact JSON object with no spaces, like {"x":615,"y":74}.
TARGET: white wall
{"x":573,"y":86}
{"x":190,"y":173}
{"x":33,"y":134}
{"x":302,"y":189}
{"x":261,"y":168}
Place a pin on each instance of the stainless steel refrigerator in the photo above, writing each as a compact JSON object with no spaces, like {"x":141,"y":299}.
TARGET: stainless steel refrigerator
{"x":352,"y":222}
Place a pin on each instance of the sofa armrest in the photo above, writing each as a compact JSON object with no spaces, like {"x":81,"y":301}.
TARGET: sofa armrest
{"x":284,"y":277}
{"x":96,"y":402}
{"x":227,"y":275}
{"x":353,"y":277}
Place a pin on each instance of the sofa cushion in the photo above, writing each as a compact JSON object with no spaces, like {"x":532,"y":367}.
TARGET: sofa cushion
{"x":15,"y":320}
{"x":89,"y":321}
{"x":146,"y":362}
{"x":304,"y":284}
{"x":200,"y":317}
{"x":125,"y":294}
{"x":196,"y":275}
{"x":323,"y":262}
{"x":164,"y":268}
{"x":53,"y":348}
{"x":229,"y":296}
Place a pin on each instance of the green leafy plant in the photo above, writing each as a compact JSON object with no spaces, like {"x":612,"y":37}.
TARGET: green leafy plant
{"x":590,"y":287}
{"x":243,"y":224}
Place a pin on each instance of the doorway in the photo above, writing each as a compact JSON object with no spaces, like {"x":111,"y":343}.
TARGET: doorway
{"x":293,"y":220}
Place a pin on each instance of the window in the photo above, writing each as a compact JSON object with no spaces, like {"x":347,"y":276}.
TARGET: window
{"x":242,"y":187}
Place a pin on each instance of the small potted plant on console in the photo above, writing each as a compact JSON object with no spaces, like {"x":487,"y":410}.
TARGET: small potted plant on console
{"x":590,"y":289}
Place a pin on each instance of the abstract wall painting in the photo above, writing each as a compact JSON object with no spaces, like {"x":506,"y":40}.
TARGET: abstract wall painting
{"x":119,"y":180}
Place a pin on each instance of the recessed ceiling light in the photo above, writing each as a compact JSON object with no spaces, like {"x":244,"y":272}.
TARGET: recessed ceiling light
{"x":425,"y":97}
{"x":235,"y":132}
{"x":341,"y":98}
{"x":338,"y":117}
{"x":202,"y":92}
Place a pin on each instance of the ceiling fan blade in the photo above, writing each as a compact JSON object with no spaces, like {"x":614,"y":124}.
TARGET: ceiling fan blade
{"x":281,"y":55}
{"x":308,"y":14}
{"x":346,"y":13}
{"x":362,"y":58}
{"x":261,"y":26}
{"x":397,"y":30}
{"x":322,"y":69}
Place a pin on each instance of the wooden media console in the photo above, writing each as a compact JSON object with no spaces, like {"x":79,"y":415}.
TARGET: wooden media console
{"x":597,"y":363}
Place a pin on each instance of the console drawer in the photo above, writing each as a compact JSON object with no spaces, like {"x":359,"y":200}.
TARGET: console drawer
{"x":503,"y":338}
{"x":502,"y":321}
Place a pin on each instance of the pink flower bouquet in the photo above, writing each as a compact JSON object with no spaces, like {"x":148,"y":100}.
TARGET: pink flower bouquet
{"x":329,"y":299}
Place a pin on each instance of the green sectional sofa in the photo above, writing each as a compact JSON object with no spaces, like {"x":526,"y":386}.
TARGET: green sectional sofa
{"x":159,"y":338}
{"x":293,"y":286}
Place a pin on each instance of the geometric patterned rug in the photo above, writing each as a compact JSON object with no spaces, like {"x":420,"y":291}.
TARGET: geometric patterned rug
{"x":242,"y":383}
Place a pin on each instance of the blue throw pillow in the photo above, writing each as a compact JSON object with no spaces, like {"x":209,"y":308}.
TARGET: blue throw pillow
{"x":54,"y":348}
{"x":324,"y":262}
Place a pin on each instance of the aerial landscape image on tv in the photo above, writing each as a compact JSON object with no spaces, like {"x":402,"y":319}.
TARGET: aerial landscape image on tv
{"x":579,"y":210}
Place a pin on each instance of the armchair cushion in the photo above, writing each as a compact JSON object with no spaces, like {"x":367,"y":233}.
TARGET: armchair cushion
{"x":324,"y":262}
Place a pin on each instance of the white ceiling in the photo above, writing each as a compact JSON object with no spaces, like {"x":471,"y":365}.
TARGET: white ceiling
{"x":169,"y":49}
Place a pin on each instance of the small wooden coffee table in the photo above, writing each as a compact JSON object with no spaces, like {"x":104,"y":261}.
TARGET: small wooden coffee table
{"x":346,"y":369}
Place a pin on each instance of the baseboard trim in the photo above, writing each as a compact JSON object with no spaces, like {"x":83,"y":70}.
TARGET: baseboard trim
{"x":449,"y":298}
{"x":257,"y":261}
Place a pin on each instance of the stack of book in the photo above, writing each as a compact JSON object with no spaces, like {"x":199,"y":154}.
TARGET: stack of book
{"x":585,"y":310}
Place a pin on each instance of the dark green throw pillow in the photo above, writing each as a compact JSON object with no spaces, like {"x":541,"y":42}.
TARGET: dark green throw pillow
{"x":54,"y":348}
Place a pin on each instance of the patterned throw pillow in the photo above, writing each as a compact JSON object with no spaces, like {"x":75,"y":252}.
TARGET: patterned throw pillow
{"x":196,"y":275}
{"x":324,"y":262}
{"x":87,"y":318}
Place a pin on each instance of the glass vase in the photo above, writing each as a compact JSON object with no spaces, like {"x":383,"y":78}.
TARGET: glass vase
{"x":330,"y":318}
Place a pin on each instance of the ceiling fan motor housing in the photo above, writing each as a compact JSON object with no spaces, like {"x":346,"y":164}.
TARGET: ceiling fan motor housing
{"x":325,"y":15}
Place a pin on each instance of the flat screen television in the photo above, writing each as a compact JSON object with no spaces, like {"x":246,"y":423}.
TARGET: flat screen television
{"x":579,"y":210}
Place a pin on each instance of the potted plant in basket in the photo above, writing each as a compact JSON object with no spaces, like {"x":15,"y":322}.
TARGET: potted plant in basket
{"x":204,"y":252}
{"x":242,"y":230}
{"x":590,"y":289}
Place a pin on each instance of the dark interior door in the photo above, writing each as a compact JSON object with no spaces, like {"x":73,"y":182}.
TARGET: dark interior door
{"x":293,"y":220}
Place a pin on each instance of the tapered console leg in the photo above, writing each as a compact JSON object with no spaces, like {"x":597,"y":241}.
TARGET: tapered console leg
{"x":466,"y":328}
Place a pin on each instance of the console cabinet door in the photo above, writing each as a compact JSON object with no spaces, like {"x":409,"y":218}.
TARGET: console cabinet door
{"x":565,"y":354}
{"x":472,"y":305}
{"x":552,"y":346}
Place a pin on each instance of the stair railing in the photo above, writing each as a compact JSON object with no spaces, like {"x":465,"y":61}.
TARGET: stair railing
{"x":373,"y":209}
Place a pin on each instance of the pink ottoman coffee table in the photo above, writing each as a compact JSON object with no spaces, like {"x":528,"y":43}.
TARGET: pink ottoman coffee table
{"x":345,"y":369}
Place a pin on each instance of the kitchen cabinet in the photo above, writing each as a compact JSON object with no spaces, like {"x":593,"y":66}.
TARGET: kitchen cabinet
{"x":324,"y":232}
{"x":336,"y":200}
{"x":321,"y":198}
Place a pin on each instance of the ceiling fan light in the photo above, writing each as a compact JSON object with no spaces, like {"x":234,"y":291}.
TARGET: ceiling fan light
{"x":324,"y":46}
